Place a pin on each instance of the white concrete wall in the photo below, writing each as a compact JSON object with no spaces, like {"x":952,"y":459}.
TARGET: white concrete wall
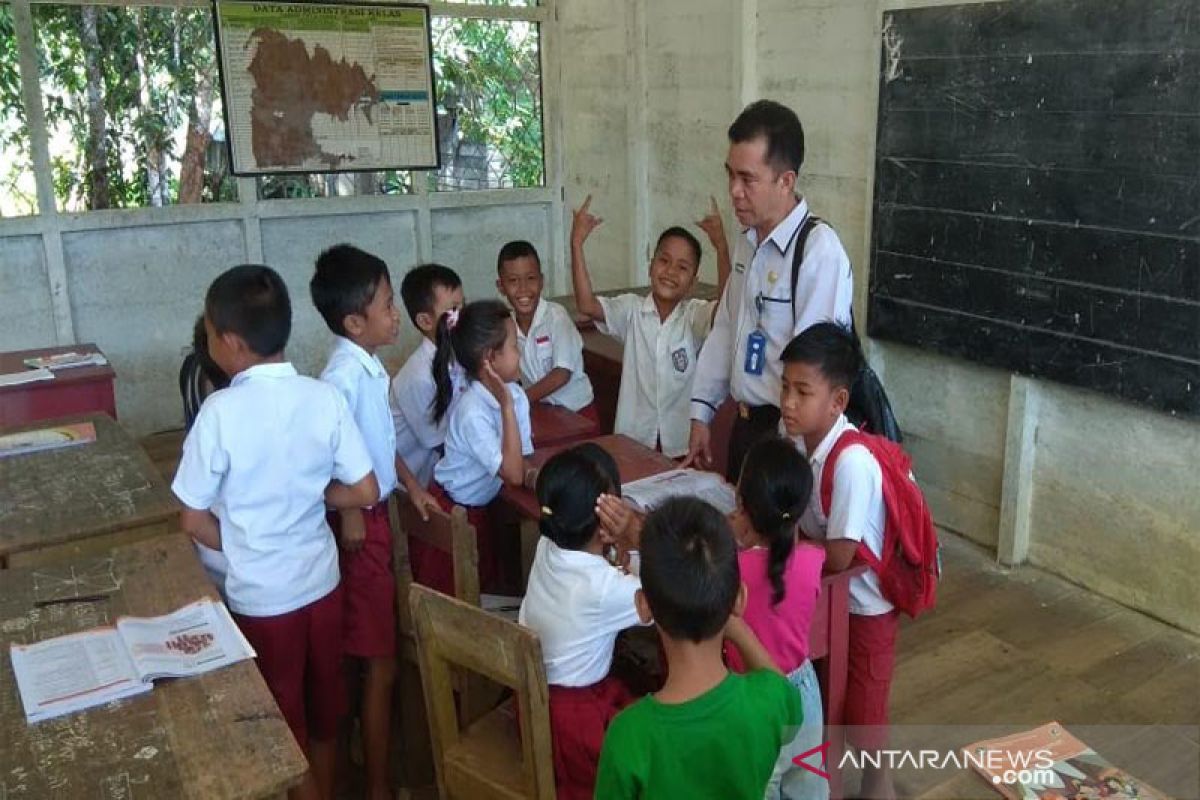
{"x":596,"y":72}
{"x":136,"y":288}
{"x":1108,"y":489}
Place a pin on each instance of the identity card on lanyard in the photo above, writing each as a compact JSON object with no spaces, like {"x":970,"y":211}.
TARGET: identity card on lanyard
{"x":756,"y":343}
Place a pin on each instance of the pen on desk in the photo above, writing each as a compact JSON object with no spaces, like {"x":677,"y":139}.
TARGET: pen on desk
{"x":62,"y":601}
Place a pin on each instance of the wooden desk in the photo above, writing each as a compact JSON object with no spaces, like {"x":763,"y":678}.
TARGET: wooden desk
{"x":60,"y":504}
{"x":555,"y":425}
{"x":634,"y":460}
{"x":219,"y":735}
{"x":78,"y":390}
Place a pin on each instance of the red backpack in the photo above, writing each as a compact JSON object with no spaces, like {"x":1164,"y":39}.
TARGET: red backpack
{"x":911,"y":564}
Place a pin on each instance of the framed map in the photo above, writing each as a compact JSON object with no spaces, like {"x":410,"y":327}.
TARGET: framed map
{"x":326,"y":87}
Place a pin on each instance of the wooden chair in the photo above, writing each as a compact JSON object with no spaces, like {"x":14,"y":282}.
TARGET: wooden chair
{"x":493,"y":757}
{"x":450,"y":533}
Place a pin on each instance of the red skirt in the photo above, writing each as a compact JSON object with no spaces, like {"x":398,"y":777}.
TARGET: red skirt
{"x":435,"y":568}
{"x":579,"y":717}
{"x":589,"y":412}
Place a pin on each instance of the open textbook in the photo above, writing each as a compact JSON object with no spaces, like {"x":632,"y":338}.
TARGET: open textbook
{"x":649,"y":493}
{"x":68,"y":673}
{"x":1048,"y":763}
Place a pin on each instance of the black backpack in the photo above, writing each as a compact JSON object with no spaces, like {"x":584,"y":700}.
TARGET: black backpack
{"x":869,"y":408}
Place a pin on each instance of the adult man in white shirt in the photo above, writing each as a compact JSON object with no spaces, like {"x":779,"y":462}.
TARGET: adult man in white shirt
{"x":760,"y":311}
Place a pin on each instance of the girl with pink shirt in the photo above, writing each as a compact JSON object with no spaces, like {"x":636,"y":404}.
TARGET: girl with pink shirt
{"x":783,"y":580}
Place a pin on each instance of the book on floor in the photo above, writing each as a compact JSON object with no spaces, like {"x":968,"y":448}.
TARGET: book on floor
{"x":49,"y":438}
{"x":81,"y":670}
{"x":1048,"y":763}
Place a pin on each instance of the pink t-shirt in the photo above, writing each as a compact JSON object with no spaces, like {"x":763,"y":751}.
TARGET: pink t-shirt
{"x":783,"y":628}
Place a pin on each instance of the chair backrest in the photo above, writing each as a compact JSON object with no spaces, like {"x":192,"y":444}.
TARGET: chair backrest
{"x":454,"y":635}
{"x":450,"y":533}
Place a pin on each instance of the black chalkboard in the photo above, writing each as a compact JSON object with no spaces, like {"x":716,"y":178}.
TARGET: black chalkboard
{"x":1037,"y":191}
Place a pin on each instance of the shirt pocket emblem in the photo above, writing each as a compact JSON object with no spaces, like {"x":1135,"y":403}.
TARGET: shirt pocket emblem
{"x":679,"y":359}
{"x":545,"y":352}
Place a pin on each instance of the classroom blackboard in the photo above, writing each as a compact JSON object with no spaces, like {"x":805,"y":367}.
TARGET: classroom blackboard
{"x":1037,"y":191}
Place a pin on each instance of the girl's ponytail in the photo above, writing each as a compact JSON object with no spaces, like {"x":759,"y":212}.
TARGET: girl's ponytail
{"x":467,"y":335}
{"x":442,"y":358}
{"x":774,"y":488}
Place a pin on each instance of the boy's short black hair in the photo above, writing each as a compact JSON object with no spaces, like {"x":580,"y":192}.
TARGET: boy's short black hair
{"x":831,"y":348}
{"x":344,"y":283}
{"x":676,"y":232}
{"x":514,"y":250}
{"x":419,"y":284}
{"x":781,"y":128}
{"x":251,"y":301}
{"x":689,"y":568}
{"x":567,"y":489}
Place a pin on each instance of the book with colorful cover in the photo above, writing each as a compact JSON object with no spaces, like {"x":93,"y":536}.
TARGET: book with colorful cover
{"x":50,"y":438}
{"x":1048,"y":763}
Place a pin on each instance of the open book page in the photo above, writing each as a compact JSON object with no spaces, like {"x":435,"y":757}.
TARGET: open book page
{"x":501,"y":605}
{"x":649,"y":493}
{"x":197,"y":638}
{"x":72,"y":672}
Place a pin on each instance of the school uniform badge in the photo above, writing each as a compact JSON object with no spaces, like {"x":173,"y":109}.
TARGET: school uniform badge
{"x":680,"y":359}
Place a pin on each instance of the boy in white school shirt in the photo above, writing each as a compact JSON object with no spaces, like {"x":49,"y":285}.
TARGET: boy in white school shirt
{"x":550,"y":345}
{"x":262,"y":460}
{"x":353,"y":293}
{"x":428,"y":291}
{"x":819,"y":366}
{"x":662,"y":332}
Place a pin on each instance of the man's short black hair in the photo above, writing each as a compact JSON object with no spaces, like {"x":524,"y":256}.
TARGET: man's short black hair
{"x":252,"y":302}
{"x":676,"y":232}
{"x":689,"y":568}
{"x":344,"y":283}
{"x":514,"y":250}
{"x":419,"y":284}
{"x":829,"y":347}
{"x":781,"y":128}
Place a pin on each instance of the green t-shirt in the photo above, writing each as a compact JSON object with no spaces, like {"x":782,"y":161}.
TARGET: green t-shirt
{"x":723,"y":744}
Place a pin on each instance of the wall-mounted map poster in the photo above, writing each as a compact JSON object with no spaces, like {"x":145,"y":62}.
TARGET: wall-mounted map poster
{"x":326,"y":87}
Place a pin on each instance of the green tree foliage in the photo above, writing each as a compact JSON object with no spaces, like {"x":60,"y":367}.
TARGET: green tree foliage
{"x":122,"y":88}
{"x":488,"y":75}
{"x":130,"y":95}
{"x":14,"y":130}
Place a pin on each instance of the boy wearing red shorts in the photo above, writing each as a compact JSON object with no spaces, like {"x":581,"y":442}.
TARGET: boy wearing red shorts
{"x":819,"y":366}
{"x":353,"y":293}
{"x":263,"y":458}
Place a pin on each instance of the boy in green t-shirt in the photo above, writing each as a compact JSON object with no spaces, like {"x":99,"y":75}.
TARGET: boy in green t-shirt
{"x":708,"y":732}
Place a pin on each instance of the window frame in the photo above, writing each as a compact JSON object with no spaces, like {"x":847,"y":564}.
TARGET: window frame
{"x":50,"y":224}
